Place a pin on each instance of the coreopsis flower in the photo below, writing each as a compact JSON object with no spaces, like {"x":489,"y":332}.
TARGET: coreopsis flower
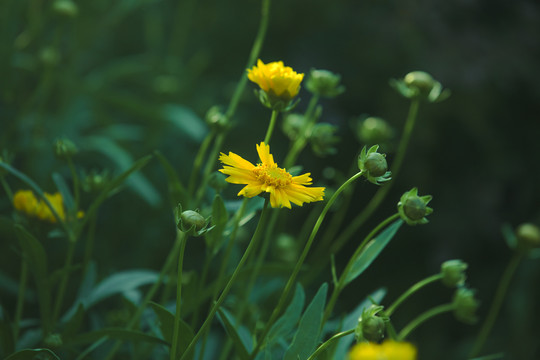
{"x":279,"y":84}
{"x":26,"y":202}
{"x":388,"y":350}
{"x":267,"y":177}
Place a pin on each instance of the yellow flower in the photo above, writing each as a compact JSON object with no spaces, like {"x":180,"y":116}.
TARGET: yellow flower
{"x":26,"y":202}
{"x":388,"y":350}
{"x":266,"y":176}
{"x":276,"y":79}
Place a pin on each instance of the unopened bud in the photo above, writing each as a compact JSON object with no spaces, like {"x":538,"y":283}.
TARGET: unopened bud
{"x":413,"y":209}
{"x":376,"y":164}
{"x":64,"y":148}
{"x":192,"y":218}
{"x":453,"y":272}
{"x":324,"y":83}
{"x":371,"y":327}
{"x":528,"y":236}
{"x":465,"y":305}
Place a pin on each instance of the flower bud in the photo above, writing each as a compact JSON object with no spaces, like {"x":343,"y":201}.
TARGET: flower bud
{"x":324,"y":83}
{"x":293,"y":124}
{"x":217,"y":181}
{"x":95,"y":181}
{"x":419,"y":84}
{"x":373,"y":130}
{"x":528,"y":236}
{"x":64,"y":149}
{"x":465,"y":305}
{"x":371,"y":327}
{"x":192,"y":218}
{"x":216,"y":119}
{"x":323,"y":138}
{"x":413,"y":208}
{"x":373,"y":165}
{"x":453,"y":272}
{"x":376,"y":164}
{"x":65,"y":8}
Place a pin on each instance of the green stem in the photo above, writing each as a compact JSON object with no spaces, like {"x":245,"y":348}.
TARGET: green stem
{"x":411,"y":291}
{"x":299,"y":263}
{"x":169,"y":262}
{"x":63,"y":282}
{"x":225,"y":292}
{"x":76,"y":187}
{"x":197,"y":163}
{"x":271,"y":126}
{"x":497,"y":302}
{"x":379,"y":196}
{"x":7,"y":189}
{"x":300,"y":142}
{"x":89,"y":246}
{"x":343,"y":278}
{"x":20,"y":299}
{"x":177,"y":315}
{"x":206,"y":267}
{"x":441,"y":309}
{"x":210,"y":163}
{"x":329,"y":342}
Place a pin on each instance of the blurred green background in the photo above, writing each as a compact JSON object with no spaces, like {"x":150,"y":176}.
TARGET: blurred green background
{"x":122,"y":79}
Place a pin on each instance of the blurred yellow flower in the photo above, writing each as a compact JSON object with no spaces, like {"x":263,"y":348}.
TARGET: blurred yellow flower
{"x":268,"y":177}
{"x":26,"y":202}
{"x":388,"y":350}
{"x":276,"y":79}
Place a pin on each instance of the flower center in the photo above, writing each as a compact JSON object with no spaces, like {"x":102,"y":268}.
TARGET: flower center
{"x":272,"y":175}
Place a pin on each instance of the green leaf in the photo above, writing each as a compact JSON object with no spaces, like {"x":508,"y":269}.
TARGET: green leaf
{"x":186,"y":121}
{"x":7,"y":342}
{"x":309,"y":330}
{"x":350,"y":322}
{"x":372,"y":250}
{"x":35,"y":256}
{"x":32,"y":354}
{"x":125,"y":162}
{"x":285,"y":324}
{"x":63,"y":189}
{"x":166,"y":319}
{"x":115,"y":333}
{"x":177,"y":191}
{"x":239,"y":335}
{"x":116,"y":182}
{"x":220,"y":217}
{"x":74,"y":323}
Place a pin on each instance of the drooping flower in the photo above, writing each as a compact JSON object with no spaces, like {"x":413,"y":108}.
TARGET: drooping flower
{"x":266,"y":176}
{"x":277,"y":79}
{"x":388,"y":350}
{"x":26,"y":202}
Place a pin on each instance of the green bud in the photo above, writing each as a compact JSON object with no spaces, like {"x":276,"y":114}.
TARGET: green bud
{"x":528,"y":236}
{"x":216,"y":119}
{"x":323,"y":139}
{"x":413,"y":209}
{"x":372,"y":164}
{"x":376,"y":164}
{"x":453,"y":272}
{"x":95,"y":181}
{"x":64,"y":149}
{"x":191,"y":222}
{"x":324,"y":83}
{"x":373,"y":130}
{"x":66,"y":8}
{"x":371,"y":327}
{"x":293,"y":125}
{"x":217,"y":181}
{"x":53,"y":340}
{"x":419,"y":84}
{"x":275,"y":102}
{"x":465,"y":305}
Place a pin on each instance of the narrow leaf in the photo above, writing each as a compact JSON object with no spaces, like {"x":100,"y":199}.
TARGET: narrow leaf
{"x":115,"y":333}
{"x":285,"y":324}
{"x":177,"y":191}
{"x":219,"y":220}
{"x":372,"y":250}
{"x":63,"y":189}
{"x":309,"y":330}
{"x":242,"y":342}
{"x":166,"y":319}
{"x":31,"y":354}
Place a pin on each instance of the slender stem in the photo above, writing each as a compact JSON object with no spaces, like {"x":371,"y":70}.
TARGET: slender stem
{"x":441,"y":309}
{"x":177,"y":315}
{"x":271,"y":126}
{"x":411,"y":291}
{"x":76,"y":187}
{"x":63,"y":282}
{"x":210,"y":162}
{"x":329,"y":342}
{"x":301,"y":140}
{"x":20,"y":299}
{"x":7,"y":188}
{"x":169,"y":262}
{"x":197,"y":163}
{"x":379,"y":196}
{"x":89,"y":246}
{"x":299,"y":263}
{"x":206,"y":267}
{"x":225,"y":292}
{"x":343,"y":278}
{"x":497,"y":302}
